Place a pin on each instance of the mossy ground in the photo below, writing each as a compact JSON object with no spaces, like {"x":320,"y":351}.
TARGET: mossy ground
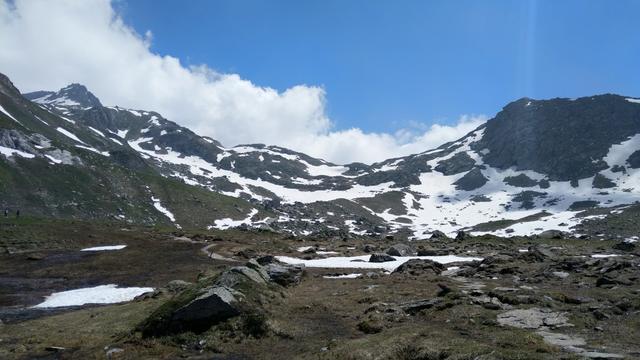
{"x":317,"y":319}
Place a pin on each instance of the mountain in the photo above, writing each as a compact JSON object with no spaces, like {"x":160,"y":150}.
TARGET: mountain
{"x":562,"y":164}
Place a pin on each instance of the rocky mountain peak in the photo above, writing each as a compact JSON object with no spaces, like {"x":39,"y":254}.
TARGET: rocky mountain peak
{"x":73,"y":95}
{"x":560,"y":137}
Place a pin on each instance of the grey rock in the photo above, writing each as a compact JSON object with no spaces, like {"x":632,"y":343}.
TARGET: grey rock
{"x":625,"y":246}
{"x":439,"y":235}
{"x":420,"y":267}
{"x":237,"y":275}
{"x":369,"y":248}
{"x":551,"y":234}
{"x":414,"y":307}
{"x":538,"y":253}
{"x":378,"y":258}
{"x":254,"y":265}
{"x":213,"y":305}
{"x":462,"y":235}
{"x":400,"y":250}
{"x":284,"y":274}
{"x":533,"y":318}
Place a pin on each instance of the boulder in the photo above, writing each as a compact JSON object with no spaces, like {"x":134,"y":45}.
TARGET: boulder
{"x":418,"y":267}
{"x":551,"y":234}
{"x":369,"y":248}
{"x":538,"y":253}
{"x":413,"y":307}
{"x":625,"y":246}
{"x":237,"y":275}
{"x":254,"y":265}
{"x":378,"y":258}
{"x":439,"y":235}
{"x":285,"y":274}
{"x":213,"y":305}
{"x":462,"y":235}
{"x":267,"y":259}
{"x":400,"y":250}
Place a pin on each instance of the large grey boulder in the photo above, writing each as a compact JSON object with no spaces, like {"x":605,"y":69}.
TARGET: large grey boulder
{"x":418,"y":267}
{"x":237,"y":275}
{"x":212,"y":306}
{"x":400,"y":250}
{"x":285,"y":274}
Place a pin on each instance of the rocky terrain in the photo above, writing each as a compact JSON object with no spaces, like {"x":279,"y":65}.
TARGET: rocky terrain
{"x":262,"y":295}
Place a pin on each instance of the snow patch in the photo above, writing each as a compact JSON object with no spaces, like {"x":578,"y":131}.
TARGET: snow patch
{"x":227,"y":223}
{"x":105,"y":248}
{"x":164,"y":210}
{"x":103,"y":294}
{"x":10,"y":152}
{"x":69,"y":135}
{"x":362,"y":261}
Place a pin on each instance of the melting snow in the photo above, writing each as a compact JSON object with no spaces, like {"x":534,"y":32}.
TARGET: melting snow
{"x":69,"y":134}
{"x":362,"y":262}
{"x":105,"y":248}
{"x":9,"y":115}
{"x":97,"y":131}
{"x":103,"y":294}
{"x":122,"y":133}
{"x":103,"y":153}
{"x":344,"y":276}
{"x":164,"y":210}
{"x":9,"y":152}
{"x":227,"y":223}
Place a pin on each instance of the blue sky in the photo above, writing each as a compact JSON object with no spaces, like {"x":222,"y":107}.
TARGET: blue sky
{"x":384,"y":64}
{"x":343,"y":80}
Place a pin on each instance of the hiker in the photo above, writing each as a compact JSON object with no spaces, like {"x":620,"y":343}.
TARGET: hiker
{"x":6,"y":212}
{"x":18,"y":213}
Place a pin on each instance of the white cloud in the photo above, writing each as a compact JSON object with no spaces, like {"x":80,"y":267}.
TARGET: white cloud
{"x":48,"y":44}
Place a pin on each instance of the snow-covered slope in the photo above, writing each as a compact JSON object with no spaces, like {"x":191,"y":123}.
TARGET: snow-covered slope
{"x":536,"y":166}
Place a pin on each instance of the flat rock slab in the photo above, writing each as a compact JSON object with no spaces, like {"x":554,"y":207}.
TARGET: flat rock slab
{"x":533,"y":318}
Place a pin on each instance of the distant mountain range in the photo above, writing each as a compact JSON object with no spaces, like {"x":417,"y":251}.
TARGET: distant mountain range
{"x":537,"y":165}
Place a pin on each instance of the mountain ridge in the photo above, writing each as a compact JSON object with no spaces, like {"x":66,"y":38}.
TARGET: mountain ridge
{"x":534,"y":157}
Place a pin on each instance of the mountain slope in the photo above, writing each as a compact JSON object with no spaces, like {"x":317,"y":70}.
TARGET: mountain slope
{"x":53,"y":165}
{"x":537,"y":165}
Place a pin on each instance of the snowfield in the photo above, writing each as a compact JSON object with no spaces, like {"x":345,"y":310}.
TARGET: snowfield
{"x":103,"y":294}
{"x":362,"y":261}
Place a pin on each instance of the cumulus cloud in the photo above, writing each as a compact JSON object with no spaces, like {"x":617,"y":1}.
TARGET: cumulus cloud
{"x":48,"y":44}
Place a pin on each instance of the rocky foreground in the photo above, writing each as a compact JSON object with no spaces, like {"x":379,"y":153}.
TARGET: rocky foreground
{"x":229,"y":295}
